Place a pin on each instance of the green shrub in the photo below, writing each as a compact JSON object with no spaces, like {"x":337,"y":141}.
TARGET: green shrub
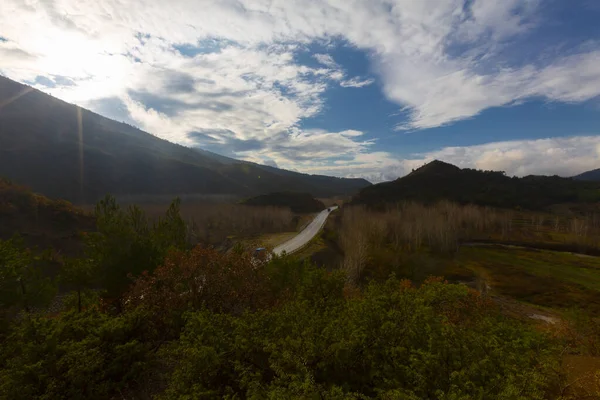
{"x":439,"y":341}
{"x":87,"y":355}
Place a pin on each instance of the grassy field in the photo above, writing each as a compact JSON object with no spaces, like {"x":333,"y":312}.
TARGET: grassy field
{"x":273,"y":240}
{"x":575,"y":232}
{"x":543,"y":278}
{"x":314,"y":246}
{"x":540,"y":287}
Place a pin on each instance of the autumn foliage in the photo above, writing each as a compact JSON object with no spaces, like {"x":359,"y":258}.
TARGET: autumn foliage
{"x":204,"y":277}
{"x":196,"y":323}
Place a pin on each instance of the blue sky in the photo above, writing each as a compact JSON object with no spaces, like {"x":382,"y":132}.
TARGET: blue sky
{"x":347,"y":88}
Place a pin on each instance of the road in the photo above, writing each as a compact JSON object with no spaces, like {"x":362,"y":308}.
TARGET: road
{"x":301,"y":239}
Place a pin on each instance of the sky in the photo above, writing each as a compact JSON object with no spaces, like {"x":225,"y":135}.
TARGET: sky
{"x":354,"y":88}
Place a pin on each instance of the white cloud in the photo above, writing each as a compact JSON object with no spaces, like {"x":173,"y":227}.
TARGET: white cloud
{"x":326,"y":60}
{"x":356,"y":82}
{"x":563,"y":156}
{"x":441,"y":60}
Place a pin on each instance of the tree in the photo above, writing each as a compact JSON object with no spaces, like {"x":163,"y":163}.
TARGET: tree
{"x":78,"y":275}
{"x":87,"y":355}
{"x":22,"y":283}
{"x":126,"y":244}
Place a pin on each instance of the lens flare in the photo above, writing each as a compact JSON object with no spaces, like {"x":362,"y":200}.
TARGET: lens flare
{"x":15,"y":97}
{"x":80,"y":137}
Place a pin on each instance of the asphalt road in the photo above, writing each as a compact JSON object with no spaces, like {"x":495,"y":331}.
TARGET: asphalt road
{"x":301,"y":239}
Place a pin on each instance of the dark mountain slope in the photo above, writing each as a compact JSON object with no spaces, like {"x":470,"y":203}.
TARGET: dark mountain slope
{"x":593,"y":175}
{"x":40,"y":146}
{"x":441,"y":181}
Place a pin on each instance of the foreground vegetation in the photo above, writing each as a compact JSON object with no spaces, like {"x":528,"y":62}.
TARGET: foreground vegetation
{"x":297,"y":334}
{"x":144,"y":312}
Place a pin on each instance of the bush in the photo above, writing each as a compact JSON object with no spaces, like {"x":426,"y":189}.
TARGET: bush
{"x":398,"y":342}
{"x":87,"y":355}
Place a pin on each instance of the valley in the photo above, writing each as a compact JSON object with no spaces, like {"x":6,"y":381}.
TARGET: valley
{"x":446,"y":279}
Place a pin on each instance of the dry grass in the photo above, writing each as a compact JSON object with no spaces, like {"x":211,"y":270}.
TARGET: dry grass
{"x":580,"y":230}
{"x":366,"y":236}
{"x":543,"y":278}
{"x":410,"y":227}
{"x":335,"y":201}
{"x":214,"y":223}
{"x":273,"y":240}
{"x":582,"y":377}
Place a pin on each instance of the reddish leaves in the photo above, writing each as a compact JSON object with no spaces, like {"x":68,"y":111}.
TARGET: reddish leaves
{"x":204,"y":277}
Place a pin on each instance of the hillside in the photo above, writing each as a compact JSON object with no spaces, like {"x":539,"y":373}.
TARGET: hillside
{"x":40,"y":147}
{"x":297,"y":202}
{"x":40,"y":221}
{"x":442,"y":181}
{"x":593,"y":175}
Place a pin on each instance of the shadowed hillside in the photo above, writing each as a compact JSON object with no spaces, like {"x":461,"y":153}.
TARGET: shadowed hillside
{"x":593,"y":175}
{"x":63,"y":151}
{"x":39,"y":220}
{"x":442,"y":181}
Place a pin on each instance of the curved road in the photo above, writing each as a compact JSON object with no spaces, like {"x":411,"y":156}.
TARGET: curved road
{"x":301,"y":239}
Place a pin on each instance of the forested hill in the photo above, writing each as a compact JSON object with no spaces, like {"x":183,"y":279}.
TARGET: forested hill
{"x":42,"y":147}
{"x":442,"y":181}
{"x":593,"y":175}
{"x":40,"y":221}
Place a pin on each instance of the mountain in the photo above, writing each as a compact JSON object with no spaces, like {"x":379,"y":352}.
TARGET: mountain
{"x":593,"y":175}
{"x":63,"y":151}
{"x":442,"y":181}
{"x":297,"y":202}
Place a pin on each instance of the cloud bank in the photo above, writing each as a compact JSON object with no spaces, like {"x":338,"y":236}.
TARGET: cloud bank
{"x":564,"y":156}
{"x":225,"y":75}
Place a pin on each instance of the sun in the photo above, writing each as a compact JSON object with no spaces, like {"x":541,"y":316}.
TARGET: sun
{"x":96,"y":70}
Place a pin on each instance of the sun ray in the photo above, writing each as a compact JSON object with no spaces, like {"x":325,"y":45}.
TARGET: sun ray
{"x":80,"y":137}
{"x":15,"y":97}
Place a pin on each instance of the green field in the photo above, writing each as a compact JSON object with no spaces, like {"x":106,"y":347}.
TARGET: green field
{"x":545,"y":278}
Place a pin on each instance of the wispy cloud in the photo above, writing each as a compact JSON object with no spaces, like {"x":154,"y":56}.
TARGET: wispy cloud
{"x":326,"y":60}
{"x":357,"y":82}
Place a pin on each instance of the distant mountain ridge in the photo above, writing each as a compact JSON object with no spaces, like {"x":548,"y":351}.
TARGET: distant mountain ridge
{"x":40,"y":147}
{"x":438,"y":181}
{"x":593,"y":175}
